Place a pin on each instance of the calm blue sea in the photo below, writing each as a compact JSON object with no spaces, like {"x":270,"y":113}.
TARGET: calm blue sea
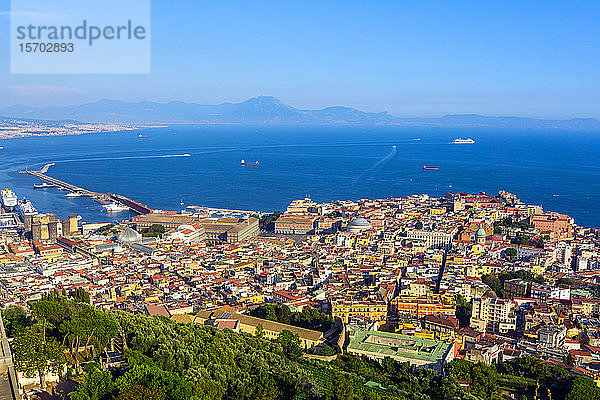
{"x":559,"y":170}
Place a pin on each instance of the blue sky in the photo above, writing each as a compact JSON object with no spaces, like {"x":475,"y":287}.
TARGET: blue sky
{"x":425,"y":58}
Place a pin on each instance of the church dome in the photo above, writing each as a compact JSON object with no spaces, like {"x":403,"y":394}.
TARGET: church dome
{"x":481,"y":232}
{"x":128,"y":235}
{"x":358,"y":224}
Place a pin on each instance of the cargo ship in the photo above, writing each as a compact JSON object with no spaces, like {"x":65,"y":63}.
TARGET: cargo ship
{"x":256,"y":163}
{"x":463,"y":141}
{"x":9,"y":199}
{"x":430,"y":168}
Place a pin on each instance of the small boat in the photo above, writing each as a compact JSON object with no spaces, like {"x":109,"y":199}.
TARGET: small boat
{"x":74,"y":194}
{"x":463,"y":141}
{"x":417,"y":139}
{"x":143,"y":136}
{"x":250,"y":164}
{"x":431,"y":168}
{"x":44,"y":186}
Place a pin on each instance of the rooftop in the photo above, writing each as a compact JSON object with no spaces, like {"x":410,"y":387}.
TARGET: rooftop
{"x":392,"y":344}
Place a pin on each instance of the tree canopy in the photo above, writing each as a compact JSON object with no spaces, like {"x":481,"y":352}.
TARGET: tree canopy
{"x":308,"y":318}
{"x":166,"y":360}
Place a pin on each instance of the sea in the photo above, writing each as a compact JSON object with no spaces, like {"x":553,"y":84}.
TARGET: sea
{"x":558,"y":170}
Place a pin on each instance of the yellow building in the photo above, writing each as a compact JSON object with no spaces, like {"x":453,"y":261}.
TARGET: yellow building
{"x":477,"y":270}
{"x":256,"y":299}
{"x":375,"y":311}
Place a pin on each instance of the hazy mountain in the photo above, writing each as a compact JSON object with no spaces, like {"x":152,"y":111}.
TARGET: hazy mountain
{"x":268,"y":110}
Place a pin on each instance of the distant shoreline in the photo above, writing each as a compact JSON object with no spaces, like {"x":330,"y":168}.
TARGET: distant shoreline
{"x":24,"y":129}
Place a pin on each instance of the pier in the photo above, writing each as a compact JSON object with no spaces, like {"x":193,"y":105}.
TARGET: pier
{"x":60,"y":184}
{"x":107,"y":198}
{"x":102,"y":198}
{"x":132,"y":204}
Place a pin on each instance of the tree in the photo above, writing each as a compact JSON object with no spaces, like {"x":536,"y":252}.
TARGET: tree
{"x":154,"y":230}
{"x":47,"y":310}
{"x":464,"y":310}
{"x":140,"y":392}
{"x":15,"y":320}
{"x":494,"y":283}
{"x":459,"y":369}
{"x":259,"y":332}
{"x":157,"y":383}
{"x":273,"y":312}
{"x":419,"y":225}
{"x":342,"y":388}
{"x":484,"y":380}
{"x":267,"y":221}
{"x":265,"y":388}
{"x":104,"y":228}
{"x":521,"y":240}
{"x":564,"y":282}
{"x":290,"y":342}
{"x":481,"y":378}
{"x":96,"y":385}
{"x":582,"y":388}
{"x":510,"y":253}
{"x":80,"y":295}
{"x":308,"y":318}
{"x":33,"y":355}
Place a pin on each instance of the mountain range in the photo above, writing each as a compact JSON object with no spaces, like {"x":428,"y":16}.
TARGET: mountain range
{"x":268,"y":110}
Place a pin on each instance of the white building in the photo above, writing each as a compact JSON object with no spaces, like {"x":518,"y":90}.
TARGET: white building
{"x":493,"y":315}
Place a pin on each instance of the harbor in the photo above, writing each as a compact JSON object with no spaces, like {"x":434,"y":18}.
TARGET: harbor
{"x":115,"y":202}
{"x":109,"y":200}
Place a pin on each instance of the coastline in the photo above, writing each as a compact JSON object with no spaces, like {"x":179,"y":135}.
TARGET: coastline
{"x":18,"y":129}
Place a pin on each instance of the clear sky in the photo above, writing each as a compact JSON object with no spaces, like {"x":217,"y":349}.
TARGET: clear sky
{"x":411,"y":58}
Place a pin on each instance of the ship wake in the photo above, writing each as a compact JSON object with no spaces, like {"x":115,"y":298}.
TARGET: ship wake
{"x":375,"y":167}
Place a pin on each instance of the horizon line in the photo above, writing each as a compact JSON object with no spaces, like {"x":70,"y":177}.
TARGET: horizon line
{"x":462,"y":114}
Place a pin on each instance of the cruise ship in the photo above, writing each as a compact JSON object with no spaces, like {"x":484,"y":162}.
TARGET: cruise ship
{"x":9,"y":199}
{"x":26,"y":208}
{"x":463,"y":141}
